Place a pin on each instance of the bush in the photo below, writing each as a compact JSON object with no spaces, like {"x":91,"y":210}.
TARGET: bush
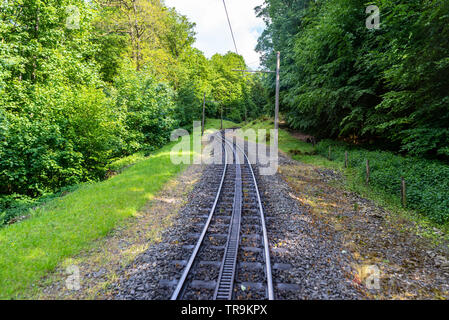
{"x":35,"y":157}
{"x":427,"y":180}
{"x":189,"y":107}
{"x":14,"y":205}
{"x":59,"y":135}
{"x":150,"y":111}
{"x":17,"y":206}
{"x":64,"y":136}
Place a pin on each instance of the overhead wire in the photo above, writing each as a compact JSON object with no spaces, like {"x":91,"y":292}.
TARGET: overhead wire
{"x":230,"y":27}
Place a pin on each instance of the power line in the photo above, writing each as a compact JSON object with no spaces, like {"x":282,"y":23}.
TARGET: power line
{"x":254,"y":71}
{"x":230,"y":27}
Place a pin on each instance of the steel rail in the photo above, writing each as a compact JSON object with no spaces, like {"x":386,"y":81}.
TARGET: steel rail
{"x":228,"y":267}
{"x":225,"y":283}
{"x":268,"y":268}
{"x":189,"y":264}
{"x":264,"y":231}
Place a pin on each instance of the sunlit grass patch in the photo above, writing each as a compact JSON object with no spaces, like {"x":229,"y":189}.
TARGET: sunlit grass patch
{"x":297,"y":149}
{"x":215,"y":124}
{"x":127,"y":161}
{"x":354,"y":176}
{"x":65,"y":226}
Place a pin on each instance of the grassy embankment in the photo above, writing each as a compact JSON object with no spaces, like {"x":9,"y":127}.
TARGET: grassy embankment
{"x":65,"y":226}
{"x":427,"y":181}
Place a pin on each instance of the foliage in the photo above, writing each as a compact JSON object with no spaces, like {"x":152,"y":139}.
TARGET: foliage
{"x":240,"y":94}
{"x":149,"y":111}
{"x":427,"y":181}
{"x":339,"y":78}
{"x":59,"y":227}
{"x":64,"y":226}
{"x":73,"y":99}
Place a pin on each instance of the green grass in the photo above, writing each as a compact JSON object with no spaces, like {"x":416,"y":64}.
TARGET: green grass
{"x":286,"y":142}
{"x":17,"y":205}
{"x":428,"y":181}
{"x":124,"y":162}
{"x":215,"y":124}
{"x":65,"y":226}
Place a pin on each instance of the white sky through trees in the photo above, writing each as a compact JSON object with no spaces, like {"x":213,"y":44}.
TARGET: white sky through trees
{"x":213,"y":35}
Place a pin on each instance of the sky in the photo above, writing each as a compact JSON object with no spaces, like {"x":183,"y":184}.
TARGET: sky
{"x":213,"y":35}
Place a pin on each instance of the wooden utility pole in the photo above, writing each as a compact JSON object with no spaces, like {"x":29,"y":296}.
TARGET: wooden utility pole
{"x":221,"y":122}
{"x":276,"y":106}
{"x":367,"y":172}
{"x":204,"y":111}
{"x":346,"y":159}
{"x":403,"y":193}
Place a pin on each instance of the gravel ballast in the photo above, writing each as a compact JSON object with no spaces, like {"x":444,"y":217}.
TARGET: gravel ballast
{"x":306,"y":263}
{"x":325,"y":243}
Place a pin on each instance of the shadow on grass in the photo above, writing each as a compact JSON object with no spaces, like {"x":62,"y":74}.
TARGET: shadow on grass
{"x":67,"y":225}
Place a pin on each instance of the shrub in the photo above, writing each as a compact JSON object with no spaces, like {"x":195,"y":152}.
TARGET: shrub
{"x":64,"y":136}
{"x":35,"y":157}
{"x":427,"y":180}
{"x":150,"y":111}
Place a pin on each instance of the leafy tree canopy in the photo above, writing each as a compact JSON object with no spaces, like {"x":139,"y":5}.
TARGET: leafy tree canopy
{"x":342,"y":79}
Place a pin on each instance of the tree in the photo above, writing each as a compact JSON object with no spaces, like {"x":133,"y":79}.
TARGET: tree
{"x":341,"y":79}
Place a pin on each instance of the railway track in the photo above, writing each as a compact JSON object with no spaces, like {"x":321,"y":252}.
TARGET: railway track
{"x":231,"y":257}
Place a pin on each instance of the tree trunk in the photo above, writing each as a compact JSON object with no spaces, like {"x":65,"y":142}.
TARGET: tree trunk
{"x":137,"y":37}
{"x":36,"y":35}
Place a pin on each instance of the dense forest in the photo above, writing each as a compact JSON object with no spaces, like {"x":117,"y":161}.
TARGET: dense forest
{"x":85,"y":82}
{"x":386,"y":85}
